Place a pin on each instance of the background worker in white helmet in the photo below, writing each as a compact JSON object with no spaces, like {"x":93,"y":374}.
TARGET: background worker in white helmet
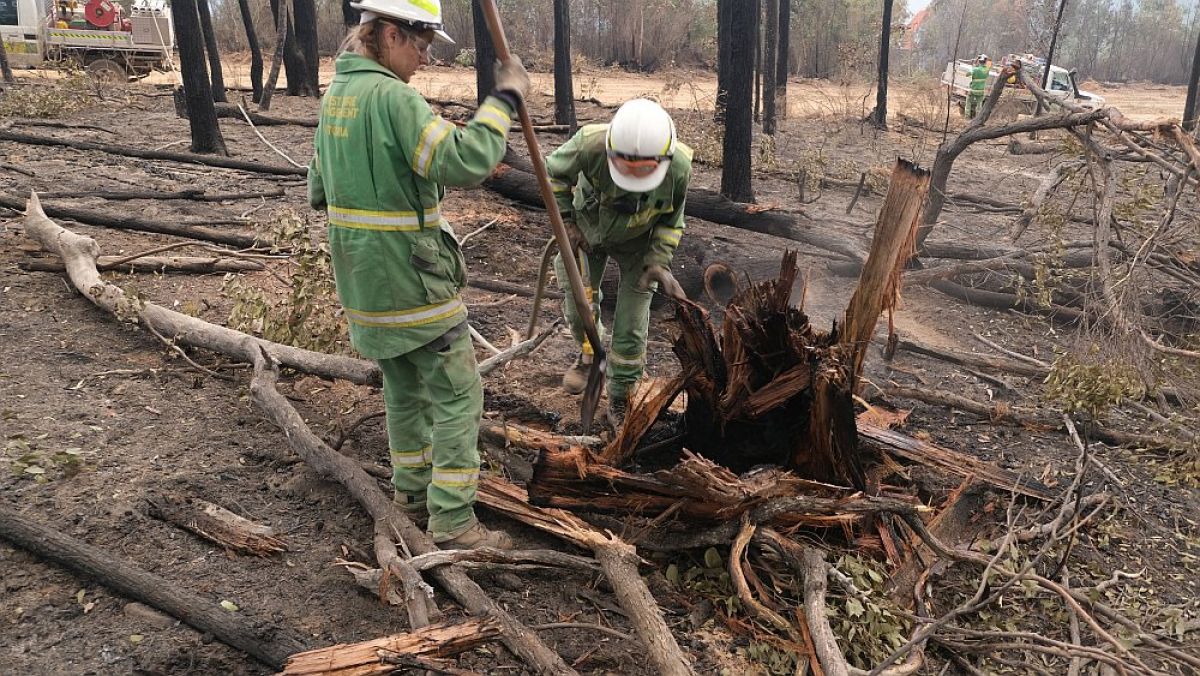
{"x":383,"y":160}
{"x":621,"y":188}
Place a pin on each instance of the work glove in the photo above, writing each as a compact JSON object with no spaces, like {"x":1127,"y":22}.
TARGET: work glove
{"x":578,"y":240}
{"x":666,"y":281}
{"x":512,"y":78}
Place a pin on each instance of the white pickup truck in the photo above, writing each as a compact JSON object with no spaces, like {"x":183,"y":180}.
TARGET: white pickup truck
{"x":100,"y":38}
{"x":1016,"y":99}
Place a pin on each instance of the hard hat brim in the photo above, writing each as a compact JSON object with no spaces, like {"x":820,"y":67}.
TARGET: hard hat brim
{"x":443,"y":37}
{"x":639,"y":184}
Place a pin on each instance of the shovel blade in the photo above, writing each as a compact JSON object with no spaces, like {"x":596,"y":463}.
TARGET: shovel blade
{"x":591,"y":393}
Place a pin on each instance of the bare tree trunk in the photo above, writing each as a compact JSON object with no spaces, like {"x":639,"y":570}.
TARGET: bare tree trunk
{"x":724,"y":20}
{"x":293,"y":62}
{"x":769,"y":51}
{"x":197,"y":93}
{"x":349,"y":15}
{"x":735,"y":174}
{"x":879,"y":119}
{"x":256,"y":60}
{"x":214,"y":56}
{"x":757,"y":60}
{"x":485,"y":54}
{"x":1062,"y":6}
{"x":784,"y":55}
{"x":564,"y":89}
{"x":1189,"y":107}
{"x":306,"y":40}
{"x":281,"y":21}
{"x":5,"y":70}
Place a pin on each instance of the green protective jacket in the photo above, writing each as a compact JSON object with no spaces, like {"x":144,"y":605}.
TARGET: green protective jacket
{"x":585,"y":191}
{"x":382,"y":161}
{"x":979,"y":76}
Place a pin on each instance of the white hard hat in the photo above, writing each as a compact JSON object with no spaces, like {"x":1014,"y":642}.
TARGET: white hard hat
{"x":422,"y":14}
{"x":640,"y":130}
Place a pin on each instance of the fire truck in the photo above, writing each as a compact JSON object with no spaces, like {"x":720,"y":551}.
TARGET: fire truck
{"x":113,"y":42}
{"x":1016,"y":99}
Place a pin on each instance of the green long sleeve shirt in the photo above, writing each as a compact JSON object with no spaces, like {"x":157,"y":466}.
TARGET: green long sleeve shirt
{"x":382,"y":161}
{"x":979,"y":76}
{"x":612,"y":218}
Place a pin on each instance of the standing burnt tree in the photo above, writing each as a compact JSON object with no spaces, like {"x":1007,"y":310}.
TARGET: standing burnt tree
{"x":306,"y":39}
{"x":564,"y":99}
{"x":485,"y":54}
{"x":294,"y":66}
{"x":735,"y":174}
{"x":769,"y":71}
{"x":5,"y":70}
{"x":1189,"y":106}
{"x":724,"y":18}
{"x":349,"y":14}
{"x":197,"y":93}
{"x":256,"y":59}
{"x":879,"y":116}
{"x":781,"y":60}
{"x":214,"y":56}
{"x":1062,"y":6}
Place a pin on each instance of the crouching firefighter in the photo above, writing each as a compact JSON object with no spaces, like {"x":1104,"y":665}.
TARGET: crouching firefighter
{"x":621,"y":189}
{"x":382,"y":161}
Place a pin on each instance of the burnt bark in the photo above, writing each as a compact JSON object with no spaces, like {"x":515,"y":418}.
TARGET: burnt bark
{"x":735,"y":174}
{"x":769,"y":69}
{"x":757,"y":60}
{"x":1062,"y":6}
{"x":305,"y":25}
{"x":279,"y":10}
{"x":294,"y":66}
{"x":210,"y":47}
{"x":879,"y":118}
{"x":485,"y":54}
{"x":564,"y":99}
{"x":349,"y":15}
{"x":1189,"y":106}
{"x":256,"y":59}
{"x":5,"y":69}
{"x":724,"y":21}
{"x":784,"y":54}
{"x":197,"y":91}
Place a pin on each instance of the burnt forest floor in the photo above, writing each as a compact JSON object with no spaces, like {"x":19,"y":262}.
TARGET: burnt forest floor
{"x":108,"y":416}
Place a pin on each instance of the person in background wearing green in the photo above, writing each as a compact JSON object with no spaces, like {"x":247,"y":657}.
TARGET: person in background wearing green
{"x":621,"y":188}
{"x":383,"y":160}
{"x":979,"y":76}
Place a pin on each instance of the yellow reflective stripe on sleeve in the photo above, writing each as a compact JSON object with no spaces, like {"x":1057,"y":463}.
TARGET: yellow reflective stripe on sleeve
{"x":559,"y":186}
{"x":400,"y":319}
{"x":617,"y":359}
{"x":388,"y":221}
{"x":494,"y":117}
{"x":455,"y":478}
{"x":433,"y":134}
{"x":668,"y":235}
{"x":420,"y":458}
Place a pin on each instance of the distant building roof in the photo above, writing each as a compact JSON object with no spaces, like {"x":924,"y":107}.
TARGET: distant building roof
{"x":910,"y":31}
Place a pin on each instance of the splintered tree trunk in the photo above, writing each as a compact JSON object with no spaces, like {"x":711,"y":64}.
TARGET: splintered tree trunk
{"x":378,"y":655}
{"x":781,"y":61}
{"x":735,"y":174}
{"x":879,"y":119}
{"x":306,"y":40}
{"x":1189,"y":106}
{"x":256,"y":59}
{"x":214,"y":56}
{"x":5,"y":69}
{"x":485,"y":54}
{"x":564,"y":97}
{"x":769,"y":71}
{"x":197,"y":93}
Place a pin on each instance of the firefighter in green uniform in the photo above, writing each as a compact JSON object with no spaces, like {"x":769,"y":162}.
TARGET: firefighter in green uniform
{"x":621,"y":188}
{"x":382,"y":161}
{"x":979,"y":76}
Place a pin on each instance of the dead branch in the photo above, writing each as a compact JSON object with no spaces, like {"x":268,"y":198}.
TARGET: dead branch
{"x":216,"y":524}
{"x":154,"y":264}
{"x":230,"y":111}
{"x":365,"y":658}
{"x":195,"y":194}
{"x":542,"y":557}
{"x":1045,"y":189}
{"x":146,"y":154}
{"x":521,"y":349}
{"x":269,"y":646}
{"x":267,"y":143}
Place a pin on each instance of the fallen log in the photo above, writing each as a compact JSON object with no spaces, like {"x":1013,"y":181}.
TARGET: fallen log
{"x":194,"y":194}
{"x":216,"y":524}
{"x":265,"y":643}
{"x":500,"y":286}
{"x":230,"y":110}
{"x":1016,"y":146}
{"x":237,"y":238}
{"x":154,"y":264}
{"x":364,"y":659}
{"x":147,"y":154}
{"x":707,"y":205}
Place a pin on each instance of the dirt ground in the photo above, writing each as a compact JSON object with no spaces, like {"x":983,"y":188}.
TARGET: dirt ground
{"x":109,"y":416}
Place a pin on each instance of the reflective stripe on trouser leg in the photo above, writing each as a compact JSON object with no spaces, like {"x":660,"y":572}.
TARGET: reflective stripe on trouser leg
{"x":626,"y":360}
{"x":409,"y":427}
{"x":595,"y":264}
{"x":455,"y":392}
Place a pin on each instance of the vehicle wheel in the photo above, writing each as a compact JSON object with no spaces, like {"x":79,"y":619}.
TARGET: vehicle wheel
{"x":107,"y":71}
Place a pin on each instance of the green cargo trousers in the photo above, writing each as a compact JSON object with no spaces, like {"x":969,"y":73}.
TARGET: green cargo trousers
{"x":626,"y":359}
{"x":434,"y":399}
{"x":974,"y":103}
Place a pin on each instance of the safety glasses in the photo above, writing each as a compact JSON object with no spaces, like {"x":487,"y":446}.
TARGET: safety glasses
{"x":639,"y":167}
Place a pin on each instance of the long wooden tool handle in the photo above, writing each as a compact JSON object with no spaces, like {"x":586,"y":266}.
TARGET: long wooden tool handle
{"x":582,"y":305}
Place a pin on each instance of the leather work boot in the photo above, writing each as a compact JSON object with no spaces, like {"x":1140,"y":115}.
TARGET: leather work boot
{"x":574,"y":381}
{"x":617,"y":406}
{"x":477,"y":536}
{"x":417,"y":512}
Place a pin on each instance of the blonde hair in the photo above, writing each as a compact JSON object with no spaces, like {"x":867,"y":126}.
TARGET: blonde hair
{"x":367,"y":38}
